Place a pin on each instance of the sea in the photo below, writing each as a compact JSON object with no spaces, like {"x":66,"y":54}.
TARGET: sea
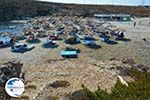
{"x":12,"y":27}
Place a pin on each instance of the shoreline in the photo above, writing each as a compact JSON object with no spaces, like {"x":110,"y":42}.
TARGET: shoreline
{"x":19,"y":21}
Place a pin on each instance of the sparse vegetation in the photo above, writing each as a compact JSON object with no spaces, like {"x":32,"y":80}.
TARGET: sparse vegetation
{"x":31,"y":87}
{"x":54,"y":98}
{"x":25,"y":97}
{"x":61,"y":83}
{"x":138,"y":90}
{"x":21,"y":98}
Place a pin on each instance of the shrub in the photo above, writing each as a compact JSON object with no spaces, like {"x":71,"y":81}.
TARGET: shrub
{"x":31,"y":87}
{"x":138,"y":90}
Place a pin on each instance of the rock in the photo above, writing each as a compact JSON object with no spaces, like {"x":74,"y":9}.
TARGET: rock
{"x":111,"y":67}
{"x":125,"y":71}
{"x":127,"y":61}
{"x":77,"y":95}
{"x":144,"y":39}
{"x":48,"y":98}
{"x":57,"y":84}
{"x":112,"y":59}
{"x":122,"y":81}
{"x":16,"y":65}
{"x":8,"y":70}
{"x":141,"y":68}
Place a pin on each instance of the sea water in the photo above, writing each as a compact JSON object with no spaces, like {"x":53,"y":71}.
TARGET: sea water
{"x":12,"y":27}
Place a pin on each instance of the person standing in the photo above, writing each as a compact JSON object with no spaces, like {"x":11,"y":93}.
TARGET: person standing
{"x":139,"y":22}
{"x":134,"y":24}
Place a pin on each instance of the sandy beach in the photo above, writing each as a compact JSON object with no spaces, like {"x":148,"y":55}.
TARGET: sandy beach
{"x":135,"y":48}
{"x":41,"y":68}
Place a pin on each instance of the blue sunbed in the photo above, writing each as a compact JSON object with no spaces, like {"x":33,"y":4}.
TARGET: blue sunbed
{"x":89,"y":42}
{"x":69,"y":54}
{"x":104,"y":38}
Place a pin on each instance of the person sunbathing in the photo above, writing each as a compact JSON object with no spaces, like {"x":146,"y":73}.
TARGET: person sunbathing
{"x":1,"y":43}
{"x":120,"y":36}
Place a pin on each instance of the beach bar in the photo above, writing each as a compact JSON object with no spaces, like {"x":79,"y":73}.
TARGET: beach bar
{"x":113,"y":17}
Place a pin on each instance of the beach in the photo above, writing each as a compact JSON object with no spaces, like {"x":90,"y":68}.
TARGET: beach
{"x":43,"y":66}
{"x":135,"y":46}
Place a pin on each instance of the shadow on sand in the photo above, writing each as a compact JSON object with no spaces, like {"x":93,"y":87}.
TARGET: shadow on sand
{"x":22,"y":51}
{"x":111,"y":42}
{"x":49,"y":46}
{"x":124,"y":40}
{"x":6,"y":46}
{"x":34,"y":41}
{"x":93,"y":46}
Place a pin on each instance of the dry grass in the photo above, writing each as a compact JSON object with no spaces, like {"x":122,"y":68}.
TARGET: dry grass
{"x":31,"y":87}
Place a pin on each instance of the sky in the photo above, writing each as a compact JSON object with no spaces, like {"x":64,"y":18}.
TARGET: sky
{"x":114,"y":2}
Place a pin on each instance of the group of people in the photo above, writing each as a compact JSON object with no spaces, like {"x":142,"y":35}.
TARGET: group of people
{"x":118,"y":35}
{"x":66,"y":25}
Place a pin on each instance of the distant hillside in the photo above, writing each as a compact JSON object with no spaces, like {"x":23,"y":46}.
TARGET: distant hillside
{"x":20,"y":9}
{"x":91,"y":9}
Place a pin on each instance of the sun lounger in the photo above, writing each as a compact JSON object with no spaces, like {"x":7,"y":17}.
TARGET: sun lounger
{"x":4,"y":40}
{"x":89,"y":42}
{"x":21,"y":48}
{"x":104,"y":38}
{"x":50,"y":44}
{"x":69,"y":54}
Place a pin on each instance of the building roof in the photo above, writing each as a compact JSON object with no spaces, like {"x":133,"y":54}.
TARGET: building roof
{"x":112,"y":15}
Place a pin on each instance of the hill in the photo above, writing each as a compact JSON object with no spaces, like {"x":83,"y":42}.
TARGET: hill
{"x":21,"y":9}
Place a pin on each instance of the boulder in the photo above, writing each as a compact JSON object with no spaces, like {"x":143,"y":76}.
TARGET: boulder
{"x":141,"y":68}
{"x":60,"y":83}
{"x":13,"y":68}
